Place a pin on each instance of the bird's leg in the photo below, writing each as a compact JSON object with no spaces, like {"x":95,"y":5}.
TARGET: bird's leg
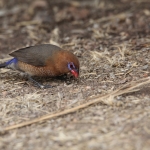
{"x":35,"y":82}
{"x":38,"y":84}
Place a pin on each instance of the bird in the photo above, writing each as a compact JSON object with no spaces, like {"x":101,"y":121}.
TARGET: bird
{"x":44,"y":60}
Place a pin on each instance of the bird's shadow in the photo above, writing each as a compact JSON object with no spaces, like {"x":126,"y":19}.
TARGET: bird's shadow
{"x":63,"y":78}
{"x":16,"y":77}
{"x":38,"y":81}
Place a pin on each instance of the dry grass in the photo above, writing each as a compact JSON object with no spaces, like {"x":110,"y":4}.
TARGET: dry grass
{"x":108,"y":108}
{"x":106,"y":99}
{"x":112,"y":60}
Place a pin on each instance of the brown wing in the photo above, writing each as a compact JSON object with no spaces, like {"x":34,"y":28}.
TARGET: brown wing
{"x":35,"y":55}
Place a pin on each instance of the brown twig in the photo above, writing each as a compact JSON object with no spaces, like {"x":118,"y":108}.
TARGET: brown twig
{"x":128,"y":88}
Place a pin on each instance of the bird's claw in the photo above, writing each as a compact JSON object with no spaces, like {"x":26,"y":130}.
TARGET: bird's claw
{"x":41,"y":86}
{"x":45,"y":86}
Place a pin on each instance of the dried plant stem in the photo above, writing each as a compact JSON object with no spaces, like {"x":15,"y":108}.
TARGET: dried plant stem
{"x":128,"y":88}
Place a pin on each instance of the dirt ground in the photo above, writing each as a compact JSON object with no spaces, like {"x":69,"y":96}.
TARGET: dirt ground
{"x":107,"y":108}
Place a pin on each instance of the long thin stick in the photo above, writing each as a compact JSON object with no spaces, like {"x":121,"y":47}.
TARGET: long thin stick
{"x":128,"y":88}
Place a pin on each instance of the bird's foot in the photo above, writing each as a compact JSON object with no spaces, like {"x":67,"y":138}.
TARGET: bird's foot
{"x":37,"y":84}
{"x":45,"y":86}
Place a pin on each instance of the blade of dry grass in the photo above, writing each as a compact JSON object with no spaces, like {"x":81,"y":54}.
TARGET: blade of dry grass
{"x":128,"y":88}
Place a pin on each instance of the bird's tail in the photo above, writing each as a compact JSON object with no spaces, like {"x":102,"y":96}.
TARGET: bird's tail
{"x":3,"y":65}
{"x":10,"y":64}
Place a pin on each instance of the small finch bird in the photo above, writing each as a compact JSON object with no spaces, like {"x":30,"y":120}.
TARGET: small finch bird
{"x":43,"y":60}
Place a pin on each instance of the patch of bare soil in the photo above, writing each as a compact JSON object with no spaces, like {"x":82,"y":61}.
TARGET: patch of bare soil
{"x":108,"y":106}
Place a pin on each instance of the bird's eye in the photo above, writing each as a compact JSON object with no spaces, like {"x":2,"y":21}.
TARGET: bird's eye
{"x":71,"y":66}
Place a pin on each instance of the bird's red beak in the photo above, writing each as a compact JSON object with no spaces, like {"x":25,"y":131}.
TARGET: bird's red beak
{"x":75,"y":73}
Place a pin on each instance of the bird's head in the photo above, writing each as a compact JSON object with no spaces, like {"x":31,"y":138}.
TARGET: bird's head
{"x":73,"y":69}
{"x":66,"y":62}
